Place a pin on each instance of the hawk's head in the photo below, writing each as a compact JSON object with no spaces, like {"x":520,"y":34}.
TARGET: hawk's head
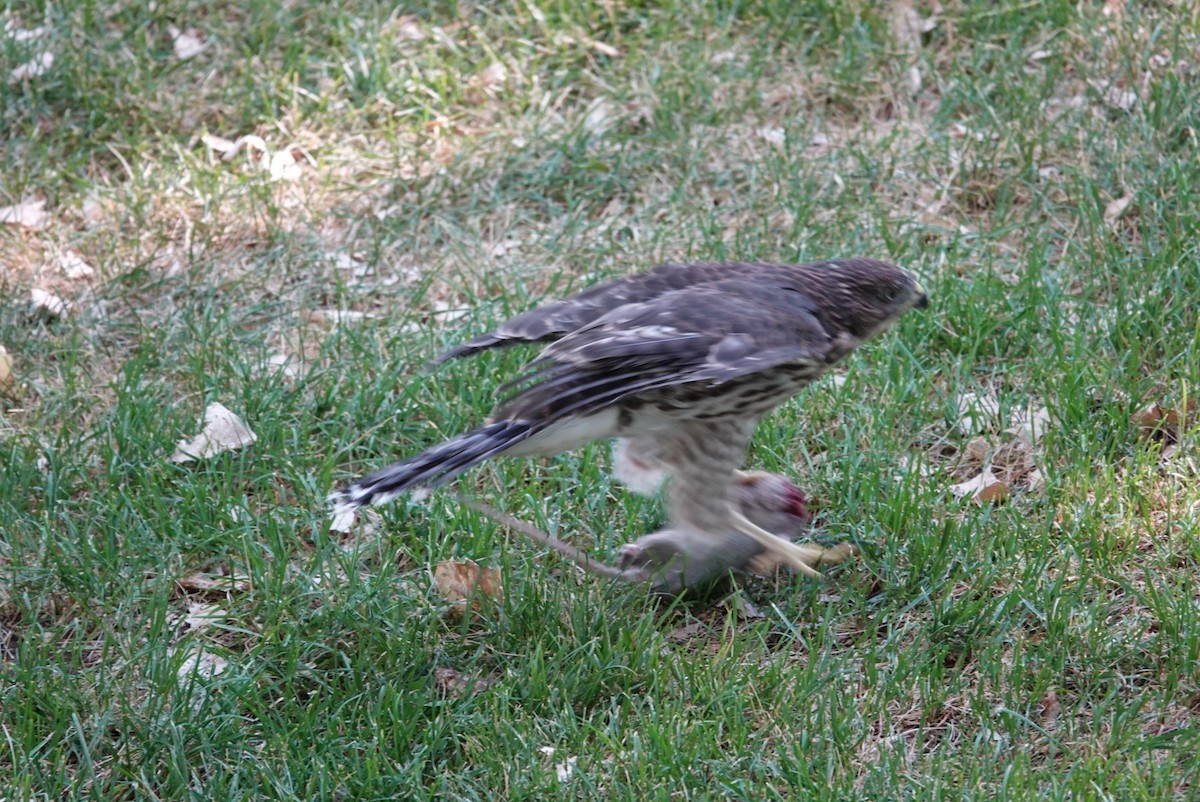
{"x":863,"y":296}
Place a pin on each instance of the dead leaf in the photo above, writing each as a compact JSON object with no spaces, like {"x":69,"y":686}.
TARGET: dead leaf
{"x":353,"y":262}
{"x":343,"y":522}
{"x":445,"y":312}
{"x":740,"y":603}
{"x":1035,"y":480}
{"x":774,"y":136}
{"x":601,"y":114}
{"x":985,"y":487}
{"x":907,"y":465}
{"x":1163,"y":421}
{"x":454,"y":683}
{"x":1115,"y":97}
{"x":907,"y":26}
{"x":29,"y":214}
{"x":449,"y":681}
{"x":502,"y":247}
{"x":1150,"y":417}
{"x":18,"y":34}
{"x":977,"y":412}
{"x":38,"y":65}
{"x":915,"y":81}
{"x":960,"y":131}
{"x":1051,"y":709}
{"x":688,"y":632}
{"x":73,"y":266}
{"x":976,"y":451}
{"x":332,"y":318}
{"x":201,"y":615}
{"x":199,"y":582}
{"x":603,"y":48}
{"x":48,"y":304}
{"x":218,"y":143}
{"x":223,"y":431}
{"x":615,"y":207}
{"x":563,"y":771}
{"x":283,"y":365}
{"x":283,"y":165}
{"x":407,"y":30}
{"x":446,"y":36}
{"x":6,"y":377}
{"x":186,"y":43}
{"x":251,"y":143}
{"x":1031,"y":423}
{"x":92,"y":210}
{"x":492,"y":76}
{"x":201,"y":664}
{"x":1115,"y":208}
{"x":459,"y":581}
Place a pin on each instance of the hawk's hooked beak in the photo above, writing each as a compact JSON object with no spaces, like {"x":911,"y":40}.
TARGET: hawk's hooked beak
{"x":922,"y":297}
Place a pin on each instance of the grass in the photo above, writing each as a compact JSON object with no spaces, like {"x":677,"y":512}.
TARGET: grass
{"x":196,"y":631}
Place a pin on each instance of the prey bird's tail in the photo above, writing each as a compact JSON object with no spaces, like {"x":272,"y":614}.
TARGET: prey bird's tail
{"x":430,"y":468}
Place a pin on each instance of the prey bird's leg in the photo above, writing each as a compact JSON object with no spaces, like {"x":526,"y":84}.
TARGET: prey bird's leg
{"x":803,"y":558}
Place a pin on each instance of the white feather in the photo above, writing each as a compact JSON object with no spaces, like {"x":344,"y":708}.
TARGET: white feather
{"x":568,"y":434}
{"x":640,"y":476}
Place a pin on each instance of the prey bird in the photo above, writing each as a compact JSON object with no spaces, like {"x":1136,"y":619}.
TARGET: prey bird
{"x":770,"y":500}
{"x":678,"y":365}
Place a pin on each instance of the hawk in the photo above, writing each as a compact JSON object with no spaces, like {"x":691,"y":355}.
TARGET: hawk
{"x":678,"y":364}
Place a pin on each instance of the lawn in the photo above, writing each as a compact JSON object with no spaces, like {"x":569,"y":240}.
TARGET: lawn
{"x":288,"y":207}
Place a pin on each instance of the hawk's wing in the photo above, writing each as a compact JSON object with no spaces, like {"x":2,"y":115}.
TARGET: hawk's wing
{"x":555,"y":320}
{"x":711,"y":334}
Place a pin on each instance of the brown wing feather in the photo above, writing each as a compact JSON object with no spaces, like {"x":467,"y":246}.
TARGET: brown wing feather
{"x":555,"y":320}
{"x":708,"y":334}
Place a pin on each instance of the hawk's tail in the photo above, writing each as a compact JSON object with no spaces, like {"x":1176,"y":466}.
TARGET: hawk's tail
{"x":430,"y":468}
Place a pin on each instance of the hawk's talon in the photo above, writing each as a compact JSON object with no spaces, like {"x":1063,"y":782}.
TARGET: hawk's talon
{"x":631,"y":555}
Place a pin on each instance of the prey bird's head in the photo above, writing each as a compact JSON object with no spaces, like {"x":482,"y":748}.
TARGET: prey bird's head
{"x":863,"y":296}
{"x":773,"y":502}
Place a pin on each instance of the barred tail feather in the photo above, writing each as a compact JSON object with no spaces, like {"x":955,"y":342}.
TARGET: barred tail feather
{"x":432,"y":467}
